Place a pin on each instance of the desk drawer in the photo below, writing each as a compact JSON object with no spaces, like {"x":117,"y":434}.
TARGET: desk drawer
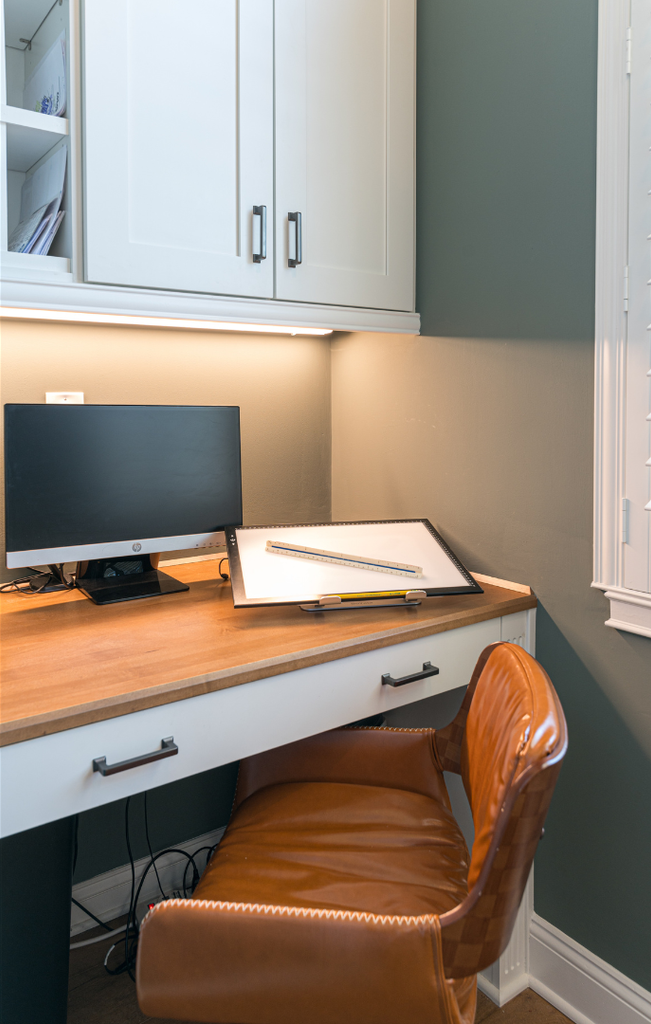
{"x":52,"y":777}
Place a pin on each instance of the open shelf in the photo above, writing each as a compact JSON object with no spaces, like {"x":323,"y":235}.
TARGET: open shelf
{"x":28,"y":267}
{"x":22,"y":18}
{"x":33,"y":31}
{"x":30,"y":136}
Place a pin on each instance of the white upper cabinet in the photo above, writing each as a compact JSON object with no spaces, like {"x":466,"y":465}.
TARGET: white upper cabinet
{"x":230,"y":160}
{"x":345,"y":101}
{"x":178,"y":104}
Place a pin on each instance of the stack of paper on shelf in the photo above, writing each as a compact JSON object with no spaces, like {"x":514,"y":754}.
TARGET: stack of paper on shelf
{"x":45,"y":90}
{"x":40,"y":212}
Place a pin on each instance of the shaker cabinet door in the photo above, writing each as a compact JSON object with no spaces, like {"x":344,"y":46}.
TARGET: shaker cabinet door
{"x":178,"y":108}
{"x":345,"y":152}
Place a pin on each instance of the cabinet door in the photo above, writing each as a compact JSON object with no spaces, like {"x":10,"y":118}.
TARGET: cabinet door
{"x":345,"y":151}
{"x":178,"y":143}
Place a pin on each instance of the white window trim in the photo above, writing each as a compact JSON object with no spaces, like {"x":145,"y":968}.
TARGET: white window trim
{"x":630,"y":609}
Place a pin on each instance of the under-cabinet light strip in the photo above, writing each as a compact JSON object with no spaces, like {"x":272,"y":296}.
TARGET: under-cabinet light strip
{"x":121,"y":320}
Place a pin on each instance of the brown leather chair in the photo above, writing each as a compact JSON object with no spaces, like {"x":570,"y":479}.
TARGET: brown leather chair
{"x":342,"y":890}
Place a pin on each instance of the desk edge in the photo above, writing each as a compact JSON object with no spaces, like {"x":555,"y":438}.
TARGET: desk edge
{"x":20,"y":730}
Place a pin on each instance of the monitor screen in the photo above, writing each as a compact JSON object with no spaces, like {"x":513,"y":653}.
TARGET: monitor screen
{"x":93,"y":481}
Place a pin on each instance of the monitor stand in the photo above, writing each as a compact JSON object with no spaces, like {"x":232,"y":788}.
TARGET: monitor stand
{"x":107,"y":580}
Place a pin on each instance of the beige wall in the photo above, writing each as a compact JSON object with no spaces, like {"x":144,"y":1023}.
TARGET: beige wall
{"x":492,"y":441}
{"x":281,"y":384}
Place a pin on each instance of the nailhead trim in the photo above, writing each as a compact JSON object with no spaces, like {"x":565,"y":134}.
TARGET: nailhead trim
{"x":382,"y":728}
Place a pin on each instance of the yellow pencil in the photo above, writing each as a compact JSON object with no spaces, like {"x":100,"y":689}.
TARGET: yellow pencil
{"x":377,"y":593}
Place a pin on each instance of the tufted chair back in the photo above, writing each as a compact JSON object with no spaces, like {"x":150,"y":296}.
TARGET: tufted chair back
{"x":507,"y":742}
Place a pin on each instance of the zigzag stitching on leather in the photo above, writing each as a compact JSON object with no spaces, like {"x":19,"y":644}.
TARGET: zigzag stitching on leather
{"x":360,"y":916}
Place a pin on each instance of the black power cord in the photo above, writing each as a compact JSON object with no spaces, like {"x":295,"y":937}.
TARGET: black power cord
{"x":74,"y":865}
{"x":132,"y":928}
{"x":192,"y":886}
{"x":90,"y":914}
{"x":151,"y":852}
{"x":40,"y":582}
{"x":133,"y":925}
{"x":129,"y":947}
{"x":76,"y":846}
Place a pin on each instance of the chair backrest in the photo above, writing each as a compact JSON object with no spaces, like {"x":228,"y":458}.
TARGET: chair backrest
{"x":507,"y":742}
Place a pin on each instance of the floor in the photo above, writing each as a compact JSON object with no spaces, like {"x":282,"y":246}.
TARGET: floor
{"x":98,"y":998}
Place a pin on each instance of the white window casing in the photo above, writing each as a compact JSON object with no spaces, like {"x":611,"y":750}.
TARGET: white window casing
{"x":622,"y":513}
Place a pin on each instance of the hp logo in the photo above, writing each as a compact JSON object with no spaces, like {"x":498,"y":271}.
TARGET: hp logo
{"x":136,"y":546}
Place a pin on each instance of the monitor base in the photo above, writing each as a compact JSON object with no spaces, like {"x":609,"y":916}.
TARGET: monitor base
{"x":108,"y":580}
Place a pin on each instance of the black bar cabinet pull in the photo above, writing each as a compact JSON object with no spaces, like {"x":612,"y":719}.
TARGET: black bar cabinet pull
{"x":168,"y":749}
{"x":261,"y":248}
{"x":297,"y":220}
{"x":428,"y":670}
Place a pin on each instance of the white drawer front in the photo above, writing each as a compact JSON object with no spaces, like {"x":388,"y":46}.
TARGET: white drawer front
{"x":51,"y":777}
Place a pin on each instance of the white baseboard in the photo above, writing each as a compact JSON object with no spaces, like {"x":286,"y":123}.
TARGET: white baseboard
{"x":108,"y":895}
{"x":579,"y":984}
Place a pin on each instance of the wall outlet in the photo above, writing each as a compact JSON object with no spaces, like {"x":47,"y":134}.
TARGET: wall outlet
{"x":64,"y":397}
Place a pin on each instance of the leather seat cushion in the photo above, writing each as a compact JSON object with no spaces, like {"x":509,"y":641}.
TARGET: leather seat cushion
{"x":340,"y":846}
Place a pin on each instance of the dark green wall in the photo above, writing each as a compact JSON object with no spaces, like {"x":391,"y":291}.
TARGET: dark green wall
{"x":593,"y":877}
{"x":486,"y":420}
{"x":506,"y":201}
{"x":506,"y":167}
{"x":179,"y":811}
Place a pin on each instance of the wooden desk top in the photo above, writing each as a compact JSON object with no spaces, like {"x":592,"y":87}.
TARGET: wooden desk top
{"x":66,"y":662}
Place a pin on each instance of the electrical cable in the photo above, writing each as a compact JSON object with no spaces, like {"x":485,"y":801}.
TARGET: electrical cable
{"x":22,"y":585}
{"x":151,"y":852}
{"x":163,"y":853}
{"x":132,"y":927}
{"x":90,"y":914}
{"x":131,"y":944}
{"x":76,"y":846}
{"x":127,"y":950}
{"x":98,"y":938}
{"x":56,"y":570}
{"x":193,"y":886}
{"x":126,"y":963}
{"x":223,"y":575}
{"x":40,"y":582}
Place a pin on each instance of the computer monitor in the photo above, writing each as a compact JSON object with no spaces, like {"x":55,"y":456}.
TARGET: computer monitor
{"x":109,"y":485}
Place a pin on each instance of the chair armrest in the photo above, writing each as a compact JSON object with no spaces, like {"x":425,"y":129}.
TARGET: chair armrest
{"x":395,"y":758}
{"x":232,"y":961}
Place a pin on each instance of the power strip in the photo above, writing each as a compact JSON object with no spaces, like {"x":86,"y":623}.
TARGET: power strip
{"x":176,"y":894}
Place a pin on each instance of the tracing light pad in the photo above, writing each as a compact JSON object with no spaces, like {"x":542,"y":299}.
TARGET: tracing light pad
{"x":262,"y":577}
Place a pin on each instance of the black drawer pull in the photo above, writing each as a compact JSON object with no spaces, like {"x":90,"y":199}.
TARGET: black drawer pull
{"x":168,"y":749}
{"x":428,"y":670}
